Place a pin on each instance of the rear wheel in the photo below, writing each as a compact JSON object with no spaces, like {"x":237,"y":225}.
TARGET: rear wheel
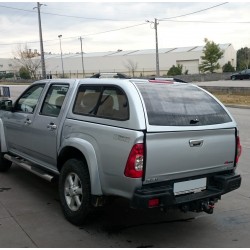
{"x":74,"y":191}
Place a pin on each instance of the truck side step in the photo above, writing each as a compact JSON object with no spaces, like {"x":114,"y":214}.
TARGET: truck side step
{"x":31,"y":168}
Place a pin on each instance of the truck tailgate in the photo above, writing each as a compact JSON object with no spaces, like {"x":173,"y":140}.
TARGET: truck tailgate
{"x":174,"y":155}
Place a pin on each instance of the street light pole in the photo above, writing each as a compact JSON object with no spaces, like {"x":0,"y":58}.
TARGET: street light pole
{"x":83,"y":72}
{"x":155,"y":23}
{"x":59,"y":36}
{"x":41,"y":39}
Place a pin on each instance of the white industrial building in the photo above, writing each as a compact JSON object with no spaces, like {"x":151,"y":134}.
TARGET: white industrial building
{"x":6,"y":65}
{"x":143,"y":61}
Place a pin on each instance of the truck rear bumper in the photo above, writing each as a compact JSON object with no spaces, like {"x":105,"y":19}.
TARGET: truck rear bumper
{"x":163,"y":195}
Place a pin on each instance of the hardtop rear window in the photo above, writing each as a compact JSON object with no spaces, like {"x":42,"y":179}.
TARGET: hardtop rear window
{"x":181,"y":105}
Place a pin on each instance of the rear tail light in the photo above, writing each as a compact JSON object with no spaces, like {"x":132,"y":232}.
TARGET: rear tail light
{"x":238,"y":149}
{"x":134,"y":166}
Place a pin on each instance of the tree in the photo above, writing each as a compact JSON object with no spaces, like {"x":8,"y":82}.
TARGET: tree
{"x":131,"y":66}
{"x":243,"y":58}
{"x":175,"y":70}
{"x":212,"y":53}
{"x":228,"y":67}
{"x":24,"y":73}
{"x":25,"y":58}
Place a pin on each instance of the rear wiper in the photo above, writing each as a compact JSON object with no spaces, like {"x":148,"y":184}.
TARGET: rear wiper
{"x":194,"y":121}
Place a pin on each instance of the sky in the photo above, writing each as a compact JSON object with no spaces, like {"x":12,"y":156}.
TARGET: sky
{"x":112,"y":26}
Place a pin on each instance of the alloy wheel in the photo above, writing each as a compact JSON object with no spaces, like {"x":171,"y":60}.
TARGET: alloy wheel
{"x":73,"y":191}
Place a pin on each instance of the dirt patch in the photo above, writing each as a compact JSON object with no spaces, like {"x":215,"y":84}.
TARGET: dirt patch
{"x":14,"y":83}
{"x":233,"y":99}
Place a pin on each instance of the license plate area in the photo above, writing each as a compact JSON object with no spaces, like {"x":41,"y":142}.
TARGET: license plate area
{"x":191,"y":186}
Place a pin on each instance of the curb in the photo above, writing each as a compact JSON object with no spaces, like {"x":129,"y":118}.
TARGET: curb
{"x":237,"y":106}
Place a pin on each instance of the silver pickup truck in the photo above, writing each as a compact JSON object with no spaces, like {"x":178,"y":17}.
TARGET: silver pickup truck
{"x":160,"y":145}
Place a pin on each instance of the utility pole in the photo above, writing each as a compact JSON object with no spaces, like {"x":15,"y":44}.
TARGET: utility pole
{"x":83,"y":72}
{"x":155,"y":23}
{"x":156,"y":49}
{"x":41,"y":39}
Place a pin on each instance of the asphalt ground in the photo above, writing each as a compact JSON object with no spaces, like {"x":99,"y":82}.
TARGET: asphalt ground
{"x":30,"y":215}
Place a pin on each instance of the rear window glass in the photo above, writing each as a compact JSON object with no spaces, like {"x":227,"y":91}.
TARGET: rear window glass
{"x":181,"y":105}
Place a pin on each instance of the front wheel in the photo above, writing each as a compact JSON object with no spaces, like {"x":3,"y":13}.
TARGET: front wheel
{"x":4,"y":163}
{"x":74,"y":191}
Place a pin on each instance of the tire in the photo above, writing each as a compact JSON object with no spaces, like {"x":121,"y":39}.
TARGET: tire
{"x":75,"y":191}
{"x":4,"y":163}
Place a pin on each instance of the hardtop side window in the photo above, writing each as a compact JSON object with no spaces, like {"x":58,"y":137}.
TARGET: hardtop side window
{"x":113,"y":104}
{"x":87,"y":100}
{"x":54,"y":99}
{"x":28,"y":101}
{"x":105,"y":102}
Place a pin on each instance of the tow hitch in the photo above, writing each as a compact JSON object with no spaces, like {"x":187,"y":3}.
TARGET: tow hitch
{"x":201,"y":206}
{"x":208,"y":207}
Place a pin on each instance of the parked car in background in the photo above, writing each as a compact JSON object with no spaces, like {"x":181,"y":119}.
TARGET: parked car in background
{"x":244,"y":74}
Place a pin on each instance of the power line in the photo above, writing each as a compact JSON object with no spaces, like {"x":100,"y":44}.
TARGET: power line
{"x":127,"y":27}
{"x":62,"y":15}
{"x":97,"y":33}
{"x":106,"y":19}
{"x":197,"y":21}
{"x":198,"y":11}
{"x":92,"y":34}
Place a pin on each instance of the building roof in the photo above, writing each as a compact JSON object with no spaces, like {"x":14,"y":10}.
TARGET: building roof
{"x":135,"y":52}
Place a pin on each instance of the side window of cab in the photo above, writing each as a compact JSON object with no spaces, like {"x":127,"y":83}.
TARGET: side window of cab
{"x":28,"y":101}
{"x":109,"y":102}
{"x":54,"y":100}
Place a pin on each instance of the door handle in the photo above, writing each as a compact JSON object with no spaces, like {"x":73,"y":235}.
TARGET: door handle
{"x":196,"y":143}
{"x":51,"y":126}
{"x":28,"y":121}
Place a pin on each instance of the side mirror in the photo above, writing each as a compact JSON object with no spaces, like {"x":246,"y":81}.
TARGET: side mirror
{"x":6,"y":105}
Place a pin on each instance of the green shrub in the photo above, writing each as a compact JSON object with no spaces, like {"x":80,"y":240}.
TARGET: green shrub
{"x":228,"y":67}
{"x":175,"y":70}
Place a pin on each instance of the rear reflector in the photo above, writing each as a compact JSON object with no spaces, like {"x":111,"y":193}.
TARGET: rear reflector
{"x":238,"y":149}
{"x":134,"y":166}
{"x":153,"y":203}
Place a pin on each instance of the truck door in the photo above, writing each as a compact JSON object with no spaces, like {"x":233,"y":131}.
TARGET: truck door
{"x":17,"y":122}
{"x":45,"y":127}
